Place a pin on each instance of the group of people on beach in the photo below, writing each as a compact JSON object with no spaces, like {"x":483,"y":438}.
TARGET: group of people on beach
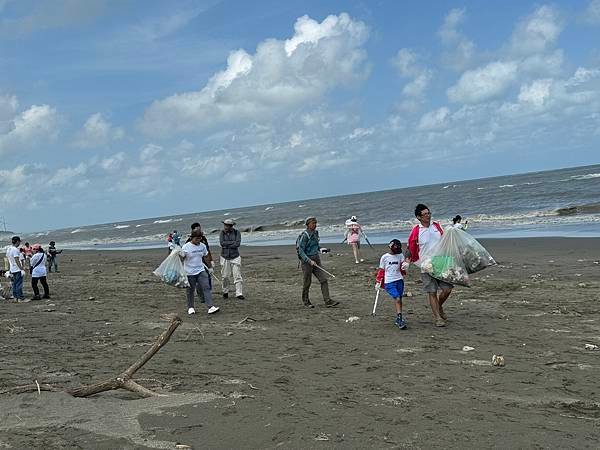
{"x":199,"y":264}
{"x":28,"y":258}
{"x":392,"y":265}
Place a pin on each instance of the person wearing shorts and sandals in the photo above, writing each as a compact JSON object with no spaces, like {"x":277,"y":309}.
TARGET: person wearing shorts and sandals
{"x":390,"y":275}
{"x":422,"y":239}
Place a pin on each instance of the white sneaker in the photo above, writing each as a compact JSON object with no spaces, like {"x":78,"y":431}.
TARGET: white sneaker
{"x":191,"y":311}
{"x":213,"y":309}
{"x":362,"y":260}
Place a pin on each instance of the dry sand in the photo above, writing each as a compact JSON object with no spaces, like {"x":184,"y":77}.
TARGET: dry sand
{"x":298,"y":378}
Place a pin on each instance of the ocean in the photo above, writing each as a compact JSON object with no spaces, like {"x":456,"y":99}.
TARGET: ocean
{"x":563,"y":202}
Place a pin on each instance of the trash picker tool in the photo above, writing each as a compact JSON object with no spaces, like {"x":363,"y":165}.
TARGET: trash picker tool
{"x":328,"y":273}
{"x":375,"y":304}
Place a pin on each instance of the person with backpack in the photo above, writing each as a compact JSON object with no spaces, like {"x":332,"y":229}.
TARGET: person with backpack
{"x":307,"y":247}
{"x":230,"y":240}
{"x":38,"y":272}
{"x":390,"y":276}
{"x":421,"y":240}
{"x":352,"y":236}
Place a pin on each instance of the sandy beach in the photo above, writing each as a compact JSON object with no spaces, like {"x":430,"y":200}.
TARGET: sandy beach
{"x":288,"y":377}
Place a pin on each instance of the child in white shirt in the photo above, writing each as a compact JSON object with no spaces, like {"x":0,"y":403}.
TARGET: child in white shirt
{"x":392,"y":268}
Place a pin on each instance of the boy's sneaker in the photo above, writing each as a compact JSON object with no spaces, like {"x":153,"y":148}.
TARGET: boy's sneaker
{"x":191,"y":311}
{"x":400,"y":323}
{"x":213,"y":309}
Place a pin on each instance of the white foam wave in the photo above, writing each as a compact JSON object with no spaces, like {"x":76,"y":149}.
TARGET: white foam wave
{"x":269,"y":208}
{"x":77,"y":230}
{"x":118,"y":227}
{"x":588,"y":176}
{"x":506,"y":186}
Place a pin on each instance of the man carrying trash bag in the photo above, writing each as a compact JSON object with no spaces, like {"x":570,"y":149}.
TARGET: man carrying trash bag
{"x":421,"y":240}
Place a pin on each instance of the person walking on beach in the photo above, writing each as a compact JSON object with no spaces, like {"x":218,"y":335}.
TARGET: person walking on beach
{"x":390,"y":276}
{"x":422,"y":238}
{"x":194,"y":255}
{"x":307,"y":246}
{"x":27,"y":253}
{"x":457,"y":223}
{"x":53,"y":257}
{"x":17,"y":270}
{"x":231,"y":261}
{"x":352,"y":236}
{"x":176,"y":238}
{"x":38,"y":272}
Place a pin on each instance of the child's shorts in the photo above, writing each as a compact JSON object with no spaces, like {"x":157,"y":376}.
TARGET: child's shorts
{"x":395,"y":289}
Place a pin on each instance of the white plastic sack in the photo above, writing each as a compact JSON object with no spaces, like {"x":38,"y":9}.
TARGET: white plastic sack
{"x":171,"y":270}
{"x":455,"y":256}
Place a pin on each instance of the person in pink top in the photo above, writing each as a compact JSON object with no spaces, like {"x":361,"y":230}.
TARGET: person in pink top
{"x":353,"y":232}
{"x":421,"y":240}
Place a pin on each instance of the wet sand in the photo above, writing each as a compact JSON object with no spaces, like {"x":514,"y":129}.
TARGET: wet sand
{"x":289,"y":377}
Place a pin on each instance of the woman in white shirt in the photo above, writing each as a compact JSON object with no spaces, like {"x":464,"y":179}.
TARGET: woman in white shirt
{"x":457,"y":223}
{"x":193,"y":254}
{"x":37,"y":266}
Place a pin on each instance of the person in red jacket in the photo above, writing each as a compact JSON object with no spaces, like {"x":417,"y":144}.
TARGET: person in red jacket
{"x":422,"y":238}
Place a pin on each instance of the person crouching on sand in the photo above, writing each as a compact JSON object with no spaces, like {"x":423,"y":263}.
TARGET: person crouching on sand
{"x":353,"y":232}
{"x":38,"y":272}
{"x":194,"y":255}
{"x":390,"y":276}
{"x":308,"y":252}
{"x":421,"y":240}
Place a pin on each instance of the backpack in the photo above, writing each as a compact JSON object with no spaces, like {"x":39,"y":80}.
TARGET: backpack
{"x":298,"y":241}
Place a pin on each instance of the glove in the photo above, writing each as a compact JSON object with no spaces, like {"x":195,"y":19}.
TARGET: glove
{"x":405,"y":265}
{"x":181,"y":253}
{"x":22,"y":273}
{"x":378,"y":285}
{"x":312,"y":263}
{"x":212,"y":264}
{"x":211,"y":270}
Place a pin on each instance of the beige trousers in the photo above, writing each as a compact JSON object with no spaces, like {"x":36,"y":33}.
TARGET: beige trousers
{"x":232,"y":268}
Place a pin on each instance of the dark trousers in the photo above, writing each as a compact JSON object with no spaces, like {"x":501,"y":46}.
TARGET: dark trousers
{"x":201,"y":285}
{"x":307,"y":272}
{"x":34,"y":285}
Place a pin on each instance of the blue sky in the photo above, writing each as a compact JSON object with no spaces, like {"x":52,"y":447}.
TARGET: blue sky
{"x":122,"y":109}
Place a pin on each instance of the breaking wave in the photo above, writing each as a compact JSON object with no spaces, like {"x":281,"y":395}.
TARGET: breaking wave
{"x":589,"y":208}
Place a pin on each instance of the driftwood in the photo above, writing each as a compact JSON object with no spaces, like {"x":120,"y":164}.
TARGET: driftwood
{"x":122,"y":381}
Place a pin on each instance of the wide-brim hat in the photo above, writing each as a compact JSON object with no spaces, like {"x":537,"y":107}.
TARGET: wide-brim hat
{"x":228,"y":222}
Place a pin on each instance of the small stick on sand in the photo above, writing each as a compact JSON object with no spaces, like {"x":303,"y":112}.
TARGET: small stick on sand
{"x":38,"y":387}
{"x":246,"y":319}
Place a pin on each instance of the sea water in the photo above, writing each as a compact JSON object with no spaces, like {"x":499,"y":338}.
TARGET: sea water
{"x":563,"y":202}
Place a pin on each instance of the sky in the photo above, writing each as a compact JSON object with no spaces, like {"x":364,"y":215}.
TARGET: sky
{"x":114,"y":110}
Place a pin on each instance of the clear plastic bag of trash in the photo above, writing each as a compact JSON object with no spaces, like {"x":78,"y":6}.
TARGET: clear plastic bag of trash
{"x":171,"y":270}
{"x":455,"y":256}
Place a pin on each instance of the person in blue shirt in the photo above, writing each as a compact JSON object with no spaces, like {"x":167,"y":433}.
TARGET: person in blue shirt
{"x":308,"y":252}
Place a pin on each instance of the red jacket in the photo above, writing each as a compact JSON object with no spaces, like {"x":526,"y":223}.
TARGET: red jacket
{"x":413,"y":241}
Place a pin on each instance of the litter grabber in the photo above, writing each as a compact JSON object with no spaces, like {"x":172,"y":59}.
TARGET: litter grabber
{"x":211,"y":274}
{"x":367,"y":239}
{"x":377,"y":289}
{"x":328,"y":273}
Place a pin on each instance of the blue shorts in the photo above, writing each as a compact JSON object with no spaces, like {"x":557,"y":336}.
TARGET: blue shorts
{"x":395,"y":289}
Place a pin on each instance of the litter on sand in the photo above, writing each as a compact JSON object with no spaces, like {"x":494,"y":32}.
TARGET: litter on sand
{"x":466,"y":348}
{"x":352,"y":319}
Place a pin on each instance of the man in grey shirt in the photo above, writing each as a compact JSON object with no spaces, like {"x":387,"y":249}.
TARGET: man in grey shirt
{"x":231,"y":261}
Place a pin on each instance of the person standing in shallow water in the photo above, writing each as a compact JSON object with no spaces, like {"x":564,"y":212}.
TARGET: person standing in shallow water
{"x":422,"y":239}
{"x":308,"y":252}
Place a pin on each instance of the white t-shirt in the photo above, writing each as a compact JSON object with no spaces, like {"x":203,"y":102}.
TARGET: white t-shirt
{"x":428,"y":237}
{"x":40,"y":269}
{"x":12,"y":254}
{"x":193,"y":263}
{"x":458,"y":225}
{"x":391,"y":264}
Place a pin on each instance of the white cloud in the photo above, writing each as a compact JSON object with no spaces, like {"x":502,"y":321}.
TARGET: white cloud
{"x":537,"y":33}
{"x":536,"y":93}
{"x":279,"y":76}
{"x":592,"y":12}
{"x":583,"y":75}
{"x":32,"y":126}
{"x":70,"y":176}
{"x":361,"y":132}
{"x":484,"y":83}
{"x":408,"y":65}
{"x":459,"y":50}
{"x":8,"y":111}
{"x":114,"y":163}
{"x":160,"y":27}
{"x":97,"y":132}
{"x":435,"y":120}
{"x":296,"y":139}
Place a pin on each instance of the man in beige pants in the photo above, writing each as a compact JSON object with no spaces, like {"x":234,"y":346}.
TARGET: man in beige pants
{"x":231,"y":261}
